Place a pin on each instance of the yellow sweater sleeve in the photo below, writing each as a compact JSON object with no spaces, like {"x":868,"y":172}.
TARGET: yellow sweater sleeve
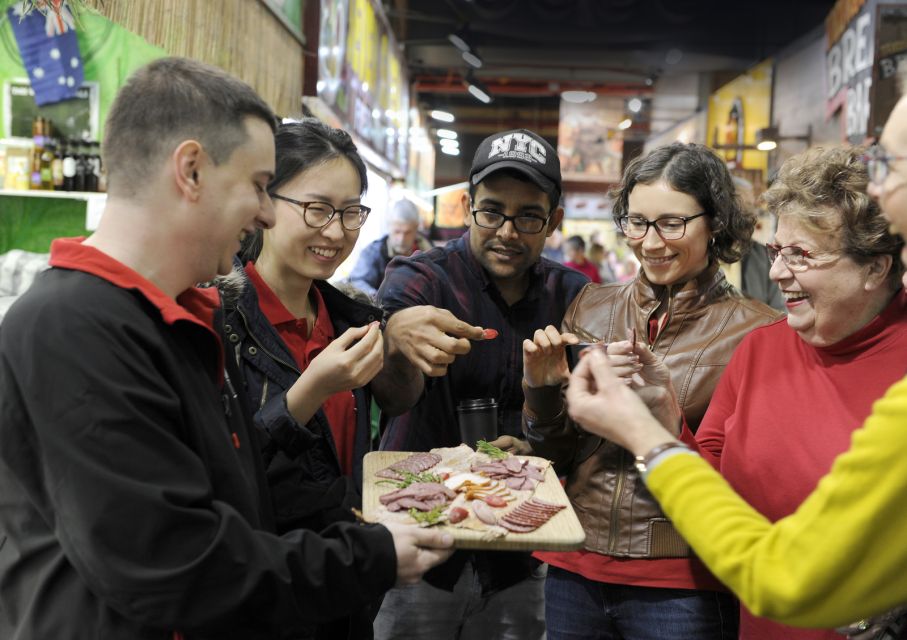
{"x":840,"y":557}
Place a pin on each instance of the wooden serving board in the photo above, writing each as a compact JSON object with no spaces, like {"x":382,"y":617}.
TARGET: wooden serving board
{"x":562,"y":532}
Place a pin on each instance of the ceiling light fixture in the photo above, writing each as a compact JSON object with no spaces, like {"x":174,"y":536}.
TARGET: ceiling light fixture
{"x":578,"y":97}
{"x":634,"y":105}
{"x":451,"y":151}
{"x":767,"y":138}
{"x":626,"y":123}
{"x":477,"y":89}
{"x":450,"y":134}
{"x":472,"y":59}
{"x":458,"y":40}
{"x":442,"y":116}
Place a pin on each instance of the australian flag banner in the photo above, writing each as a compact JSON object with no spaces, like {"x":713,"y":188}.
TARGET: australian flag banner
{"x":49,"y":49}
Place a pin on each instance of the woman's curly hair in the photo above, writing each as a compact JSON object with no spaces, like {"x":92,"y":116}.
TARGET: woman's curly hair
{"x":825,"y":189}
{"x":695,"y":170}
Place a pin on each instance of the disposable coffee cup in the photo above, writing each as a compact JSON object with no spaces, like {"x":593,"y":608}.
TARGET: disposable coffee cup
{"x":478,"y":420}
{"x":574,"y":351}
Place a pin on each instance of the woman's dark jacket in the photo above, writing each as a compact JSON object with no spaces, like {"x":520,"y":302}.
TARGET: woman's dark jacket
{"x":307,"y":485}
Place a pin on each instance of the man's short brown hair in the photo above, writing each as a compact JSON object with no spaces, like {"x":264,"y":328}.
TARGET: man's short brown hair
{"x":166,"y":102}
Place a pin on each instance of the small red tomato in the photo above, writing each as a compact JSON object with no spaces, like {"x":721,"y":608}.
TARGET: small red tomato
{"x":444,"y":475}
{"x":489,"y":334}
{"x":495,"y":501}
{"x":457,"y":514}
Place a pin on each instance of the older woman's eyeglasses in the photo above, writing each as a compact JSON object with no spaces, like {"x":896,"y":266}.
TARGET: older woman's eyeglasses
{"x":796,"y":258}
{"x":668,"y":227}
{"x":878,"y":163}
{"x":319,"y":214}
{"x":489,"y":219}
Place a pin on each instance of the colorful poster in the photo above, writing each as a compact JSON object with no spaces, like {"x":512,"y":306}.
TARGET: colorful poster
{"x":590,"y":146}
{"x":736,"y":112}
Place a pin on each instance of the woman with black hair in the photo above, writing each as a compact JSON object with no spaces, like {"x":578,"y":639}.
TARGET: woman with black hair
{"x":636,"y":578}
{"x":307,"y":351}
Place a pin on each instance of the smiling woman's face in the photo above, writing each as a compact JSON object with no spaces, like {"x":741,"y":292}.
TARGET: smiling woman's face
{"x":668,"y":262}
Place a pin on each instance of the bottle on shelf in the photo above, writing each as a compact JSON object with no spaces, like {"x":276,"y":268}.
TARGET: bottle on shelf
{"x":93,"y":159}
{"x":56,"y":166}
{"x":69,"y":166}
{"x":37,"y":131}
{"x":82,"y":166}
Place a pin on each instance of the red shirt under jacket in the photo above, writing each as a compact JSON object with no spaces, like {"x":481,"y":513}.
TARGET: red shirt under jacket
{"x":304,"y":346}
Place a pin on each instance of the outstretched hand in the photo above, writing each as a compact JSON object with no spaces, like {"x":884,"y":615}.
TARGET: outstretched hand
{"x":649,"y":377}
{"x":603,"y":404}
{"x":418,"y":550}
{"x":545,"y":359}
{"x":429,"y":338}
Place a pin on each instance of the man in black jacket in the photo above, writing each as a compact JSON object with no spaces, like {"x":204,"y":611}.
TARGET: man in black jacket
{"x":131,"y":490}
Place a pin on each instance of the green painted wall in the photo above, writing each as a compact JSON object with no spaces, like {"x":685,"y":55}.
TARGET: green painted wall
{"x":32,"y":223}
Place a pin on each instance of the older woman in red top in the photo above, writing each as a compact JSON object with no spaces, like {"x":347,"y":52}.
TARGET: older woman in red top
{"x":795,"y":390}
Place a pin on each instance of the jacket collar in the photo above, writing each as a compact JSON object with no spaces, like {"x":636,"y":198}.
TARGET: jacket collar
{"x":688,"y":296}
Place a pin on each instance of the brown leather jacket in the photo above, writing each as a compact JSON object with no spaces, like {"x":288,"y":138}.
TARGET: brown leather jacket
{"x":707,"y":318}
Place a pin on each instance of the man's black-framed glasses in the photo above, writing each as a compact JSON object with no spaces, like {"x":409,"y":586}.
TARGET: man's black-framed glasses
{"x":319,"y":214}
{"x":668,"y":227}
{"x":489,"y":219}
{"x":878,"y":163}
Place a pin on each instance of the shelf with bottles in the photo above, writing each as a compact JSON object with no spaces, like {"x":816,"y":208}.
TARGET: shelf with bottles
{"x":51,"y":163}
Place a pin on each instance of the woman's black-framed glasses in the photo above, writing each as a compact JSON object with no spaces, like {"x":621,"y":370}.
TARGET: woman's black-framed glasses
{"x":878,"y":163}
{"x":668,"y":227}
{"x":319,"y":214}
{"x":489,"y":219}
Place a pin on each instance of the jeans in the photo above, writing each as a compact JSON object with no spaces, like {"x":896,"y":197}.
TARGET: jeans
{"x":576,"y":608}
{"x":424,"y":611}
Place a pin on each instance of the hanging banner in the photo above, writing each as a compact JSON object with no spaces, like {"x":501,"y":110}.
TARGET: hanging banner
{"x":49,"y":50}
{"x":850,"y":31}
{"x":362,"y":76}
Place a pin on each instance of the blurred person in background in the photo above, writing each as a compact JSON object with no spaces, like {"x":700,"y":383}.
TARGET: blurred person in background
{"x":636,"y":578}
{"x":554,"y":246}
{"x":402,"y":239}
{"x":601,"y":258}
{"x":751,"y":274}
{"x":575,"y":258}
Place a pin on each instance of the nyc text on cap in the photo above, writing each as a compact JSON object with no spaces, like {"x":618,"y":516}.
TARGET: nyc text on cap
{"x":520,"y":150}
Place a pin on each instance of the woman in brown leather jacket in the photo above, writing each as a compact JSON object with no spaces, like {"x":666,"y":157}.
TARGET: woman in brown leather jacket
{"x":635,"y":577}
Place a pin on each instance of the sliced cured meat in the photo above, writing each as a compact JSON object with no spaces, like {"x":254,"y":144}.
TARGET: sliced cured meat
{"x":423,"y":496}
{"x":484,"y":512}
{"x":416,"y":463}
{"x":530,"y":515}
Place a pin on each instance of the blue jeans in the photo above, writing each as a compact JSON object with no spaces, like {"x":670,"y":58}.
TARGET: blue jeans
{"x":577,"y":608}
{"x":423,"y":611}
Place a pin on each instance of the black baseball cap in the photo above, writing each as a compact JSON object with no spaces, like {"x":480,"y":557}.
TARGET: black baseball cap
{"x":519,"y":150}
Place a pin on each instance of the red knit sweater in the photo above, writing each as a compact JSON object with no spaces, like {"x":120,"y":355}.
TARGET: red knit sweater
{"x":784,"y":410}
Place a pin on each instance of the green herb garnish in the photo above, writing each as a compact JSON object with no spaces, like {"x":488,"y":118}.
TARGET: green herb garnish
{"x":427,"y":518}
{"x":410,"y":478}
{"x":490,"y":450}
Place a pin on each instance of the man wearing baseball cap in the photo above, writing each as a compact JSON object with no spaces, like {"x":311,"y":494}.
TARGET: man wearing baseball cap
{"x":459,"y":315}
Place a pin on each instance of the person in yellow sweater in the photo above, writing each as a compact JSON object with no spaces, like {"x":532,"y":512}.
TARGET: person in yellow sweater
{"x":841,"y":555}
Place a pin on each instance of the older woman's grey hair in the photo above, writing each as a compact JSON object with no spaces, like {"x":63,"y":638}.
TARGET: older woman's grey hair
{"x":825,"y":188}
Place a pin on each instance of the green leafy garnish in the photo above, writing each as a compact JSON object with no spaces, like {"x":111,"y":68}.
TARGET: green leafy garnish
{"x":410,"y":478}
{"x":490,"y":450}
{"x":427,"y":518}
